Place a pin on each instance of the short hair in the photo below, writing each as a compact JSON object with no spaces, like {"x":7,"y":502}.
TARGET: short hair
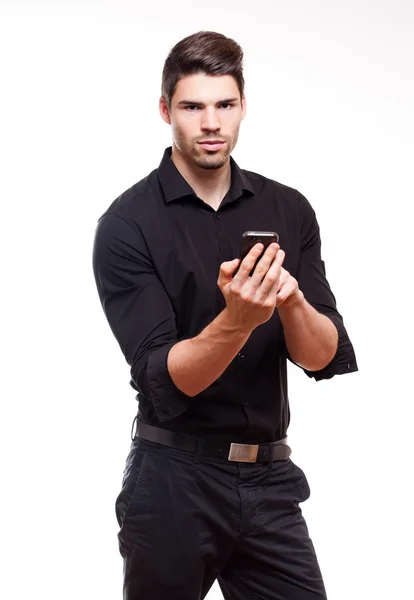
{"x":205,"y":52}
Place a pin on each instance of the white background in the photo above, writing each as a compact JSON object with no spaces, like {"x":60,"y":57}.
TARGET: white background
{"x":330,"y":96}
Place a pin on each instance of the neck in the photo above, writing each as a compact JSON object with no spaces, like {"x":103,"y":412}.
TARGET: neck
{"x":211,"y":185}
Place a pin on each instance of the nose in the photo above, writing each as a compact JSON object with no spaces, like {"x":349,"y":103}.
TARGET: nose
{"x":210,"y":121}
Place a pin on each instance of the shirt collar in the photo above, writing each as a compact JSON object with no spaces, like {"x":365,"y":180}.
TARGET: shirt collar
{"x":175,"y":186}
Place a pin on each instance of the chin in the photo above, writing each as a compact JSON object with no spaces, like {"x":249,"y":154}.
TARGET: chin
{"x":212,"y":161}
{"x":210,"y":165}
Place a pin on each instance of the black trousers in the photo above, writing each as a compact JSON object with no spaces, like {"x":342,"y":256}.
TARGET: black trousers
{"x":184,"y":524}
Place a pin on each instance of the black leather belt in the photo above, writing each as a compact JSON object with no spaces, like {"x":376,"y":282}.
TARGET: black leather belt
{"x":234,"y":452}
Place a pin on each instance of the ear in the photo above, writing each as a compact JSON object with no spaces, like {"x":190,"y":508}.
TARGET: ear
{"x":164,"y":112}
{"x":244,"y":107}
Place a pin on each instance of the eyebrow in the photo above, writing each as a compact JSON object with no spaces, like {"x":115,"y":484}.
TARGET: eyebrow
{"x":192,"y":103}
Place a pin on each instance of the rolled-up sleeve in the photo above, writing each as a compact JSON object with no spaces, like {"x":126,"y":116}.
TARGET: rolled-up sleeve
{"x":138,"y":311}
{"x":316,"y":289}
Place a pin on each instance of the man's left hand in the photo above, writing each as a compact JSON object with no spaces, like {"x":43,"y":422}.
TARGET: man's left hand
{"x":288,"y":292}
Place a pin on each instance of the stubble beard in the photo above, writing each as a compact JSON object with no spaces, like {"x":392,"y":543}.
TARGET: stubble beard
{"x":203,"y":159}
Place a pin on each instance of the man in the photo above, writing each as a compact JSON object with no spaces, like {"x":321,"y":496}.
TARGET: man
{"x":209,"y":491}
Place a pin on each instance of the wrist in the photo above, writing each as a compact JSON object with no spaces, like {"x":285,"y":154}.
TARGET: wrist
{"x":232,"y":327}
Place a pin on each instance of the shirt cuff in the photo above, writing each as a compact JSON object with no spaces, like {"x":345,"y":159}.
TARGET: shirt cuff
{"x":169,"y":402}
{"x":344,"y":360}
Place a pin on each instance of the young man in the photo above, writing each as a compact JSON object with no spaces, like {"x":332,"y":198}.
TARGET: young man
{"x":209,"y":491}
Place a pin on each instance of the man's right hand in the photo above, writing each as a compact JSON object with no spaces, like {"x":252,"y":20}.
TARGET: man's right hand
{"x":251,"y":301}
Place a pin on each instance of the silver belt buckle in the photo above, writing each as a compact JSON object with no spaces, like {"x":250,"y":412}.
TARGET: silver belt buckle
{"x":243,"y":452}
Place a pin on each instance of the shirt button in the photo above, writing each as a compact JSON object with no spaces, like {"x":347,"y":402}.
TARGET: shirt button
{"x":217,"y":216}
{"x":349,"y":365}
{"x":246,"y":403}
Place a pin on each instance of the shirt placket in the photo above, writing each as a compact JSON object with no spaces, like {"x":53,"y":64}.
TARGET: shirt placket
{"x":240,"y":358}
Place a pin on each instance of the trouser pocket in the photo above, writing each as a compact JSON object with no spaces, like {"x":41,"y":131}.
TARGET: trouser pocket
{"x":131,"y":481}
{"x":303,"y":485}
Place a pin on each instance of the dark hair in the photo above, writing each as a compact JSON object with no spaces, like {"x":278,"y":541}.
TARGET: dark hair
{"x":203,"y":52}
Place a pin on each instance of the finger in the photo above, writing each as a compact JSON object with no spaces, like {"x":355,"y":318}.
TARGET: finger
{"x":284,"y":291}
{"x":264,"y":263}
{"x":226,"y":271}
{"x":288,"y":292}
{"x":288,"y":298}
{"x":272,"y":277}
{"x":284,"y":276}
{"x":248,"y":263}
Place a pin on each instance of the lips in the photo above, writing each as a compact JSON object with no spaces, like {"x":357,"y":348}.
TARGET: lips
{"x":212,"y":144}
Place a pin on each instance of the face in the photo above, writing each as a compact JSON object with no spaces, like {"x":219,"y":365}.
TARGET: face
{"x":205,"y":109}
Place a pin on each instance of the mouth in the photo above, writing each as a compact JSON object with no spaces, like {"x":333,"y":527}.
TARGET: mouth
{"x":212,"y":145}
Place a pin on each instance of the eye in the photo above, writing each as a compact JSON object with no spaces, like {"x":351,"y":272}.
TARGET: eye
{"x":226,"y":105}
{"x":191,"y":106}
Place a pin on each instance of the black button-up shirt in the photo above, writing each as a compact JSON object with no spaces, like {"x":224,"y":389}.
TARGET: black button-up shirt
{"x":156,"y":259}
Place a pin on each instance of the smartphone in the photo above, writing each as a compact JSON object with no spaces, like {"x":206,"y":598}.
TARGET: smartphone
{"x":251,"y":238}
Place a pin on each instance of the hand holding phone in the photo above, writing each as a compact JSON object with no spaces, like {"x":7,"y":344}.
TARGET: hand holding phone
{"x":250,"y":239}
{"x":251,"y":300}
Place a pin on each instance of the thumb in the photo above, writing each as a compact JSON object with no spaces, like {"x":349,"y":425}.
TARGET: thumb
{"x":227,"y":269}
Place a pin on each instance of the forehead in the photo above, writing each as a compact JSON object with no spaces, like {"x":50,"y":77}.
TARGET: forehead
{"x":206,"y":88}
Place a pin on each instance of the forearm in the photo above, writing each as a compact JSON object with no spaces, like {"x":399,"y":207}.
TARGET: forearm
{"x":196,"y":363}
{"x":311,"y":338}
